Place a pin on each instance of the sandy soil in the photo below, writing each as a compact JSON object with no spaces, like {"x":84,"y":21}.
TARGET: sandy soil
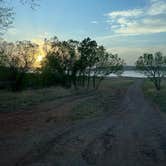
{"x":134,"y":135}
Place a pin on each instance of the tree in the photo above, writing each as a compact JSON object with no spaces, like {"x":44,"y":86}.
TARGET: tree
{"x":53,"y":65}
{"x":70,"y":50}
{"x":7,"y":13}
{"x":97,"y":61}
{"x":108,"y":64}
{"x":78,"y":62}
{"x":88,"y":57}
{"x":101,"y":58}
{"x":53,"y":69}
{"x":153,"y":66}
{"x":61,"y":57}
{"x":19,"y":58}
{"x":32,"y":3}
{"x":6,"y":17}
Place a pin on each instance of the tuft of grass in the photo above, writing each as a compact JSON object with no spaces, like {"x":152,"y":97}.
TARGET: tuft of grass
{"x":86,"y":109}
{"x":158,"y":97}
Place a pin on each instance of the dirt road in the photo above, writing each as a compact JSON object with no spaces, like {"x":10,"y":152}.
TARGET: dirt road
{"x":134,"y":135}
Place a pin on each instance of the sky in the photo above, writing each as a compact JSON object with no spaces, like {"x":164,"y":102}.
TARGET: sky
{"x":127,"y":27}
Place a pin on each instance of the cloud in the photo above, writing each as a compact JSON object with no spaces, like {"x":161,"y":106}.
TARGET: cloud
{"x":127,"y":13}
{"x":94,"y":22}
{"x":139,"y":21}
{"x":144,"y":26}
{"x":157,"y":7}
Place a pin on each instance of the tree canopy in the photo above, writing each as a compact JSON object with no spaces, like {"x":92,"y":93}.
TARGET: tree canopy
{"x":153,"y":66}
{"x":19,"y":59}
{"x":79,"y":62}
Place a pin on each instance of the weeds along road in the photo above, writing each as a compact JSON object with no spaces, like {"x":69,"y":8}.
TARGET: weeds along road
{"x":133,"y":135}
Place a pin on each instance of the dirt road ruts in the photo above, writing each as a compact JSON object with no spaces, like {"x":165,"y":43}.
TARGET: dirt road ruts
{"x":135,"y":135}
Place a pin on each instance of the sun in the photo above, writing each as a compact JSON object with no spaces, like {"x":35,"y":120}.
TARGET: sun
{"x":40,"y":58}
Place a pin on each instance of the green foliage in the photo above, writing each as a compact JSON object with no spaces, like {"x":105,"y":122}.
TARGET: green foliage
{"x":153,"y":66}
{"x":53,"y":70}
{"x":75,"y":62}
{"x":108,"y":64}
{"x":59,"y":62}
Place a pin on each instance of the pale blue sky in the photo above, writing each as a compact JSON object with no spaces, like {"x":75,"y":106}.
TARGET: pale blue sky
{"x":127,"y":27}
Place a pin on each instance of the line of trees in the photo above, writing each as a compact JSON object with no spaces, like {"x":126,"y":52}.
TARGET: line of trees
{"x":79,"y":63}
{"x":67,"y":63}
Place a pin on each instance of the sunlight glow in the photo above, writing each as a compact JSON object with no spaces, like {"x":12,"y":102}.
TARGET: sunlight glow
{"x":40,"y":58}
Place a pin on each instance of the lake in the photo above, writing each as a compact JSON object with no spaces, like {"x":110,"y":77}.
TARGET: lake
{"x":130,"y":73}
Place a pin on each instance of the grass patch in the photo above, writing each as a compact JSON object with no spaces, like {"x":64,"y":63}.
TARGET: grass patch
{"x":10,"y":101}
{"x":158,"y":97}
{"x":116,"y":83}
{"x":86,"y":109}
{"x":106,"y":100}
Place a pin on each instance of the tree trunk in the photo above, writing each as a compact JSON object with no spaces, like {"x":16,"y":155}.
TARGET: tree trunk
{"x":94,"y":80}
{"x":157,"y":83}
{"x":83,"y":79}
{"x":74,"y":80}
{"x":89,"y":72}
{"x":100,"y":80}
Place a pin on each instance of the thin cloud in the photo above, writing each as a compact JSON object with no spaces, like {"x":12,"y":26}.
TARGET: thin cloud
{"x":94,"y":22}
{"x":139,"y":21}
{"x":127,"y":13}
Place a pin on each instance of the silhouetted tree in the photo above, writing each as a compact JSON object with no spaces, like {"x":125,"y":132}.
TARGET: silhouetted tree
{"x":6,"y":17}
{"x":78,"y":62}
{"x":53,"y":69}
{"x":100,"y":57}
{"x":153,"y":66}
{"x":108,"y":64}
{"x":53,"y":65}
{"x":88,"y":53}
{"x":71,"y":47}
{"x":64,"y":54}
{"x":19,"y":58}
{"x":98,"y":62}
{"x":7,"y":13}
